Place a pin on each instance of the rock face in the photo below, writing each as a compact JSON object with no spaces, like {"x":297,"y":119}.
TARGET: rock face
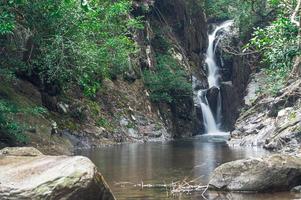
{"x":188,"y":25}
{"x":212,"y":96}
{"x":27,"y":174}
{"x":188,"y":22}
{"x":183,"y":24}
{"x":230,"y":104}
{"x":277,"y":172}
{"x":233,"y":88}
{"x":271,"y":122}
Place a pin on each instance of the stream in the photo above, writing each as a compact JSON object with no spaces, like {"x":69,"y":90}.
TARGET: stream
{"x":165,"y":162}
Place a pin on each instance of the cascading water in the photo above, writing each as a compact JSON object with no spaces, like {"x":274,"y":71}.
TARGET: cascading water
{"x":209,"y":121}
{"x":212,"y":124}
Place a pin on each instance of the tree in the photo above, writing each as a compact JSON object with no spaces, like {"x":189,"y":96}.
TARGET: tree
{"x":73,"y":42}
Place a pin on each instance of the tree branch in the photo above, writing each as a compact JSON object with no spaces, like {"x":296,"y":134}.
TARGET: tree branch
{"x":293,"y":17}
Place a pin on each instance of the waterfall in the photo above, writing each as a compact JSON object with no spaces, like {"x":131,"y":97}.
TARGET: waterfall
{"x":212,"y":124}
{"x":209,"y":121}
{"x":213,"y":69}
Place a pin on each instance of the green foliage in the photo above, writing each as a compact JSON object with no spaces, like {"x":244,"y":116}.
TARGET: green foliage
{"x":10,"y":114}
{"x":130,"y":125}
{"x":160,"y":43}
{"x":246,"y":13}
{"x":37,"y":111}
{"x":169,"y":82}
{"x":105,"y":123}
{"x":8,"y":126}
{"x":7,"y":24}
{"x":274,"y":82}
{"x":94,"y":108}
{"x":278,"y":44}
{"x":217,"y":9}
{"x":73,"y":42}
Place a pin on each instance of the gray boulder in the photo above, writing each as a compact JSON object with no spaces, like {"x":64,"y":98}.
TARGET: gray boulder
{"x":296,"y":189}
{"x":276,"y":172}
{"x":31,"y":175}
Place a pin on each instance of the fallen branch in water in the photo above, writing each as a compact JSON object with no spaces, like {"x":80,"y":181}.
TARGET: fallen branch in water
{"x":174,"y":188}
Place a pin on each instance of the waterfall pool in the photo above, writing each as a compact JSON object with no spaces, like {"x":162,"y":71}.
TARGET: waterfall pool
{"x":167,"y":162}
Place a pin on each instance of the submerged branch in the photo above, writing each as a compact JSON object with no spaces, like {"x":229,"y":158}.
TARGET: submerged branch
{"x":174,"y":188}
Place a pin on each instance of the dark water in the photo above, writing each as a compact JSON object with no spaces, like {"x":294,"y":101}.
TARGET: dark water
{"x":159,"y":163}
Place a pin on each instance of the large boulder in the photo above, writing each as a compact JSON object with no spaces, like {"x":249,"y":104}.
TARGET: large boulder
{"x":276,"y":172}
{"x":28,"y":174}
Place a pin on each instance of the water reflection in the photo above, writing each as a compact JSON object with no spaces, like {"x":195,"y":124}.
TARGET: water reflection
{"x":259,"y":196}
{"x":167,"y":162}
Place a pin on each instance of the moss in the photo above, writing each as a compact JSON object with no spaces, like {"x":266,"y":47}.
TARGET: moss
{"x":292,"y":116}
{"x":17,"y":110}
{"x":105,"y":123}
{"x":8,"y":93}
{"x":94,"y":107}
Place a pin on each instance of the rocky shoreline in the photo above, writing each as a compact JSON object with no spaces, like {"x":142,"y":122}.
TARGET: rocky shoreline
{"x":271,"y":122}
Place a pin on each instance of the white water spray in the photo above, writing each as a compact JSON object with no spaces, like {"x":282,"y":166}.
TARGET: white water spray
{"x":212,"y":124}
{"x":209,"y":121}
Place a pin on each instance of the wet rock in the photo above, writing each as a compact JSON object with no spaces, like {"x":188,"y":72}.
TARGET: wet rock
{"x":198,"y":85}
{"x":296,"y":189}
{"x":212,"y":96}
{"x":230,"y":104}
{"x":50,"y":177}
{"x":276,"y":172}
